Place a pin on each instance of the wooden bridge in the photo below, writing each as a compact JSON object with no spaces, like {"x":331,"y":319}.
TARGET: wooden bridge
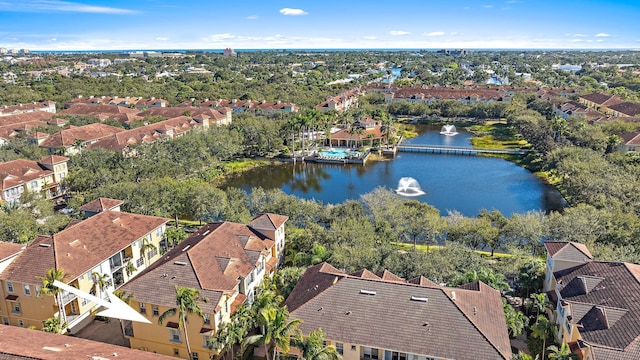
{"x":453,"y":150}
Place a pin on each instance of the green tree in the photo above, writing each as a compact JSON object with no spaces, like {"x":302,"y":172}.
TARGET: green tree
{"x":187,"y":300}
{"x":278,"y":330}
{"x":147,"y":246}
{"x":516,"y":320}
{"x":48,"y":288}
{"x":561,"y":353}
{"x":312,"y":347}
{"x":100,"y":283}
{"x":543,"y":331}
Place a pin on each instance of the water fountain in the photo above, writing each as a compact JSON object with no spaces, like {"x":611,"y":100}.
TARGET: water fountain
{"x":408,"y":186}
{"x":448,"y":130}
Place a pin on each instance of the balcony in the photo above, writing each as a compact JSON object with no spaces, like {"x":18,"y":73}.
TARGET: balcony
{"x":67,"y":297}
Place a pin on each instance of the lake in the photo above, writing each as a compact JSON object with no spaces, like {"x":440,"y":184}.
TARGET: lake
{"x":460,"y":183}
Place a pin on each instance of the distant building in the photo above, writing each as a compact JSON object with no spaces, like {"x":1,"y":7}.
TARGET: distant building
{"x":75,"y":138}
{"x":229,"y":52}
{"x":44,"y":176}
{"x":99,"y":62}
{"x":46,"y":106}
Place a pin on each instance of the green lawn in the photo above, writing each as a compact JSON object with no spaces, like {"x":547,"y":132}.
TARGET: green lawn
{"x":421,"y":247}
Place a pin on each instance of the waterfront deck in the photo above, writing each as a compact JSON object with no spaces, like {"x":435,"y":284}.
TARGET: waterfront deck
{"x":439,"y":149}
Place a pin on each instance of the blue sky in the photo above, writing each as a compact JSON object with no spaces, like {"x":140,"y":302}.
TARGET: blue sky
{"x":275,"y":24}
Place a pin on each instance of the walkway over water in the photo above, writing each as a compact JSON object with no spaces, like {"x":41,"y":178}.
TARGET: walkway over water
{"x":456,"y":150}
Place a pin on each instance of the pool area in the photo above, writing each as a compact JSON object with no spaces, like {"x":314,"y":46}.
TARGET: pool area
{"x":335,"y":153}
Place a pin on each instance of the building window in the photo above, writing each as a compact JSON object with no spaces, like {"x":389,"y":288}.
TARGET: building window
{"x":139,"y":262}
{"x":205,"y":341}
{"x":353,"y":348}
{"x":174,"y":336}
{"x":5,"y":321}
{"x":143,"y":308}
{"x":27,"y":290}
{"x":340,"y":348}
{"x":155,"y":310}
{"x":207,"y":319}
{"x":10,"y":286}
{"x":152,"y":252}
{"x":159,"y":232}
{"x":38,"y":290}
{"x":218,"y":318}
{"x":33,"y":185}
{"x":20,"y":323}
{"x":85,"y":301}
{"x":194,"y":356}
{"x":176,"y":351}
{"x":16,"y":308}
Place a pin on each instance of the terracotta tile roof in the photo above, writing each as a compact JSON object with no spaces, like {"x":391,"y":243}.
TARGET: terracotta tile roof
{"x":101,"y":204}
{"x":149,"y":133}
{"x":389,"y":276}
{"x":20,"y":171}
{"x":422,"y":281}
{"x":602,"y":99}
{"x":632,"y":138}
{"x":25,"y":108}
{"x":268,"y":221}
{"x":568,"y":250}
{"x":48,"y":346}
{"x":53,"y":159}
{"x":9,"y":131}
{"x":81,"y":247}
{"x":435,"y":321}
{"x":34,"y":261}
{"x":173,"y":112}
{"x":94,"y":109}
{"x":212,"y":260}
{"x":344,"y":134}
{"x":68,"y":136}
{"x":9,"y":249}
{"x":365,"y":274}
{"x":605,"y":300}
{"x":25,"y":118}
{"x":627,"y":108}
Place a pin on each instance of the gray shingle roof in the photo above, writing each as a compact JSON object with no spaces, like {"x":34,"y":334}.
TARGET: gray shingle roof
{"x":435,"y":321}
{"x":605,"y":300}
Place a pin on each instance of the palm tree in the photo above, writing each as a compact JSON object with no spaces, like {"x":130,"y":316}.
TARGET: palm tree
{"x":147,"y":245}
{"x":516,"y":320}
{"x":562,"y":353}
{"x":278,"y":330}
{"x":312,"y":347}
{"x":539,"y":303}
{"x":187,"y":303}
{"x":122,"y":295}
{"x":387,"y":127}
{"x":100,"y":283}
{"x":540,"y":330}
{"x":48,"y":288}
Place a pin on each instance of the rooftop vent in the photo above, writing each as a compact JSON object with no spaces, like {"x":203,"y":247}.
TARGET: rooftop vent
{"x":181,"y":263}
{"x":421,"y":299}
{"x":186,"y":248}
{"x":44,"y":245}
{"x":116,"y":219}
{"x":367,"y":292}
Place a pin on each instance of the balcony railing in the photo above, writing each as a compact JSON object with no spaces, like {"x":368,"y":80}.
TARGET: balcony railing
{"x":67,"y":297}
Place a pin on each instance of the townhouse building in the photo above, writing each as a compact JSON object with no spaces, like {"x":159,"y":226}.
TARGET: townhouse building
{"x":73,"y":139}
{"x":44,"y":178}
{"x":226,"y":262}
{"x":384,"y":317}
{"x":46,"y":106}
{"x":342,"y":102}
{"x":98,"y":255}
{"x":596,"y":303}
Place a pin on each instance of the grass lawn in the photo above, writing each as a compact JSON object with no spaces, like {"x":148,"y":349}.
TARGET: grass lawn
{"x":421,"y":247}
{"x":496,"y":135}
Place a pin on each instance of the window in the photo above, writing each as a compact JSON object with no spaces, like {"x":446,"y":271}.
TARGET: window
{"x":38,"y":290}
{"x":9,"y":286}
{"x":207,"y":319}
{"x":174,"y":335}
{"x":152,"y":252}
{"x":139,"y":262}
{"x":194,"y":356}
{"x":353,"y":348}
{"x":143,"y":308}
{"x":176,"y":351}
{"x":85,"y":301}
{"x":205,"y":341}
{"x":16,"y":307}
{"x":5,"y":321}
{"x":369,"y":353}
{"x":20,"y":323}
{"x":340,"y":348}
{"x":155,"y":310}
{"x":218,"y":318}
{"x":27,"y":289}
{"x":159,"y":232}
{"x":33,"y":185}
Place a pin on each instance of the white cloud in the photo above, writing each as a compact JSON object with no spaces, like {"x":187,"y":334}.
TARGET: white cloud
{"x":293,"y":12}
{"x":487,"y":6}
{"x":398,"y":32}
{"x":602,"y":35}
{"x":252,"y":17}
{"x":63,"y":6}
{"x":54,"y":39}
{"x":434,"y":33}
{"x":453,"y":33}
{"x":580,"y":35}
{"x":369,"y":37}
{"x":161,"y":38}
{"x":576,"y":40}
{"x":220,"y":37}
{"x":600,"y":40}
